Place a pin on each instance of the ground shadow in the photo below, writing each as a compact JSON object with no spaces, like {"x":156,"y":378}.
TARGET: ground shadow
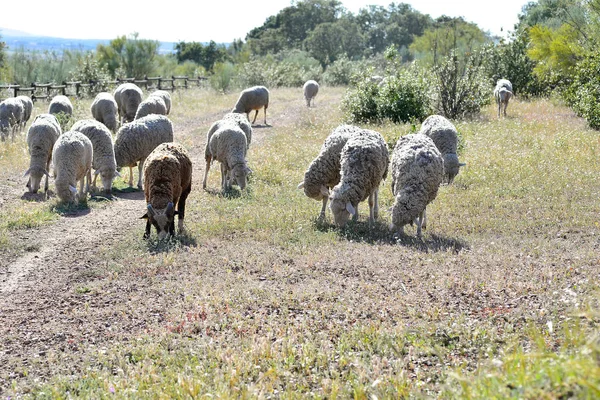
{"x":262,"y":126}
{"x":231,"y":193}
{"x":380,"y":234}
{"x":173,"y":243}
{"x":128,"y":193}
{"x":72,"y":210}
{"x":38,"y":197}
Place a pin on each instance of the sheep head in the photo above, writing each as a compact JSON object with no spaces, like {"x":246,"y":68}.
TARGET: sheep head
{"x":35,"y":178}
{"x":341,"y":211}
{"x":163,"y":220}
{"x":107,"y":175}
{"x":239,"y":173}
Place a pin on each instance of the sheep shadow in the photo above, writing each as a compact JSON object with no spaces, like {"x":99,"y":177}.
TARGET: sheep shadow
{"x":38,"y":197}
{"x":72,"y":210}
{"x":128,"y":194}
{"x":262,"y":126}
{"x":231,"y":193}
{"x":380,"y":234}
{"x":173,"y":243}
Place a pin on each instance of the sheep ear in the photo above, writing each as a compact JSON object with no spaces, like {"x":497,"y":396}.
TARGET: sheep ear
{"x":324,"y":191}
{"x":300,"y":185}
{"x":170,"y":211}
{"x":150,"y":212}
{"x":145,"y":216}
{"x":46,"y":173}
{"x":117,"y":173}
{"x":96,"y":172}
{"x":462,"y":164}
{"x":249,"y":171}
{"x":27,"y":172}
{"x":73,"y":189}
{"x":350,"y":209}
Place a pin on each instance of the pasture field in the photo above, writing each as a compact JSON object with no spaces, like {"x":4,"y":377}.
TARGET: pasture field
{"x":259,"y":300}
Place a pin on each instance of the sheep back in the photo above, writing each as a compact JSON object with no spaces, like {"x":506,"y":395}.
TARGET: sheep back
{"x":445,"y":136}
{"x":11,"y":115}
{"x":253,"y":98}
{"x":152,"y":105}
{"x":417,"y":172}
{"x":27,"y":108}
{"x":311,"y":88}
{"x":237,"y":119}
{"x":136,"y":140}
{"x":41,"y":136}
{"x":104,"y":109}
{"x":166,"y":96}
{"x":128,"y":97}
{"x":60,"y":104}
{"x":167,"y":173}
{"x":72,"y":155}
{"x":101,"y":138}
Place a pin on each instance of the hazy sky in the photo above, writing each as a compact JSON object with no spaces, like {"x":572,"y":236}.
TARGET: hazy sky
{"x":218,"y":20}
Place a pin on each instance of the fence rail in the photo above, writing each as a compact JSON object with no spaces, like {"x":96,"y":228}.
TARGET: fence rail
{"x":41,"y":91}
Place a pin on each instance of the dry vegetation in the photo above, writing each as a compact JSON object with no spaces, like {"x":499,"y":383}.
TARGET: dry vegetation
{"x":500,"y":299}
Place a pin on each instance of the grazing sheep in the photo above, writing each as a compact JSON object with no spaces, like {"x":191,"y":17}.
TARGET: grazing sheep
{"x":238,"y":119}
{"x":228,"y":145}
{"x":152,"y":105}
{"x":103,"y":162}
{"x":60,"y":104}
{"x":311,"y":88}
{"x":128,"y":97}
{"x":11,"y":115}
{"x":166,"y":96}
{"x":167,"y":182}
{"x":72,"y":157}
{"x":323,"y":173}
{"x":502,"y":93}
{"x":104,"y":109}
{"x":253,"y":98}
{"x":27,"y":109}
{"x":136,"y":140}
{"x":41,"y":136}
{"x":417,"y":172}
{"x":364,"y":164}
{"x":445,"y":136}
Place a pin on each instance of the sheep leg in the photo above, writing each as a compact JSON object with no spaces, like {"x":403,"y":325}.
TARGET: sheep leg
{"x":206,"y":175}
{"x":130,"y":176}
{"x":140,"y":173}
{"x":371,"y":209}
{"x":376,"y":200}
{"x":223,"y":177}
{"x":255,"y":115}
{"x":89,"y":179}
{"x":419,"y":221}
{"x":47,"y":173}
{"x":147,"y":232}
{"x":181,"y":208}
{"x":355,"y":216}
{"x":424,"y":224}
{"x":322,"y":214}
{"x":265,"y":115}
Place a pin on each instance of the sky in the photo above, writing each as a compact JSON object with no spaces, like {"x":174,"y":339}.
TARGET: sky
{"x":218,"y":20}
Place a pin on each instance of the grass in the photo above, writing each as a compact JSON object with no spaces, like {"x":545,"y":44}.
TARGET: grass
{"x":259,"y":299}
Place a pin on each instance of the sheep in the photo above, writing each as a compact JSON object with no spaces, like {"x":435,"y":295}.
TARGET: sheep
{"x":41,"y":136}
{"x":502,"y":93}
{"x":228,"y":145}
{"x":445,"y":136}
{"x":166,"y":96}
{"x":104,"y":109}
{"x":27,"y":109}
{"x":128,"y":97}
{"x":103,"y":161}
{"x":72,"y":156}
{"x":136,"y":140}
{"x":323,"y":172}
{"x":417,"y":172}
{"x":311,"y":88}
{"x":167,"y":181}
{"x":364,"y":164}
{"x":238,"y":119}
{"x":11,"y":115}
{"x":60,"y":104}
{"x":152,"y":105}
{"x":253,"y":98}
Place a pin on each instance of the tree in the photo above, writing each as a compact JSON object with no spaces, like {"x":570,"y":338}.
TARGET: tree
{"x":3,"y":61}
{"x":330,"y":40}
{"x":206,"y":56}
{"x":129,"y":56}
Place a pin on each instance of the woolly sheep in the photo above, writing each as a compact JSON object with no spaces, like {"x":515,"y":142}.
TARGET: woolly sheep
{"x":167,"y":182}
{"x":11,"y":115}
{"x":502,"y":93}
{"x":445,"y":136}
{"x":128,"y":97}
{"x":253,"y":98}
{"x":417,"y":172}
{"x":238,"y":119}
{"x":60,"y":104}
{"x":323,"y":173}
{"x":364,"y":164}
{"x":72,"y":156}
{"x":103,"y":161}
{"x":104,"y":109}
{"x":166,"y":96}
{"x":152,"y":105}
{"x":41,"y":136}
{"x":27,"y":109}
{"x":311,"y":88}
{"x":136,"y":140}
{"x":228,"y":145}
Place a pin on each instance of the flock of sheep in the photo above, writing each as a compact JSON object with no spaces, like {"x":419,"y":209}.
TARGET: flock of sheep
{"x":348,"y":170}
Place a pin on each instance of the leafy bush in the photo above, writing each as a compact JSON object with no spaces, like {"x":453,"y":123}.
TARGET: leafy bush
{"x":583,"y":94}
{"x":339,"y":72}
{"x":222,"y":77}
{"x":287,"y":69}
{"x":361,"y":103}
{"x":89,"y":70}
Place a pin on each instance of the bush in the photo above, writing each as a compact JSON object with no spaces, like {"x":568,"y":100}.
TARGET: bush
{"x":285,"y":69}
{"x":222,"y":77}
{"x":583,"y":94}
{"x":361,"y":103}
{"x":89,"y":70}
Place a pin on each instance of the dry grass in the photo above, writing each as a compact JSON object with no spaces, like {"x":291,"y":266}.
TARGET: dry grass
{"x":260,"y":300}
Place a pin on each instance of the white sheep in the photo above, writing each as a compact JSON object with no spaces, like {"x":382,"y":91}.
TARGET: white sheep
{"x":136,"y":140}
{"x":103,"y":161}
{"x":128,"y":97}
{"x":104,"y":109}
{"x":311,"y":88}
{"x":27,"y":109}
{"x":152,"y":105}
{"x":323,"y":173}
{"x":167,"y":182}
{"x":253,"y":98}
{"x":417,"y":172}
{"x":166,"y":96}
{"x":60,"y":104}
{"x":238,"y":119}
{"x":364,"y":164}
{"x":445,"y":136}
{"x":72,"y":157}
{"x":228,"y":145}
{"x":41,"y":136}
{"x":502,"y":93}
{"x":11,"y":115}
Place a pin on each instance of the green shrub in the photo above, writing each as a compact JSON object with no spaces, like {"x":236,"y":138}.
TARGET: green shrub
{"x":583,"y":94}
{"x":222,"y":77}
{"x":361,"y":103}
